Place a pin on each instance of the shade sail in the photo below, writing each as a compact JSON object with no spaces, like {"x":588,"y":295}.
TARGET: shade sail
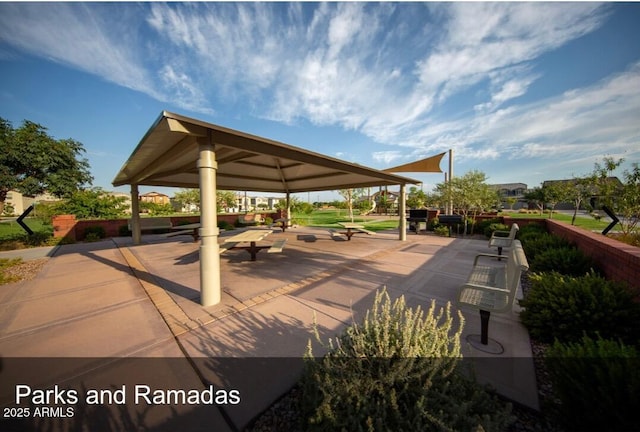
{"x":168,"y":153}
{"x":430,"y":164}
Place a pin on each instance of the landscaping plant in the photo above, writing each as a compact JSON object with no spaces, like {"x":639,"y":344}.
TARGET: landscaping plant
{"x":565,"y":307}
{"x":397,"y":371}
{"x":597,"y":382}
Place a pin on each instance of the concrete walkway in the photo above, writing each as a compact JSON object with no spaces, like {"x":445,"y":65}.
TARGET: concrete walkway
{"x":113,"y":316}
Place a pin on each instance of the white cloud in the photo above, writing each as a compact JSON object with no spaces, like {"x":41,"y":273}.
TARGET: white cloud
{"x":79,"y":36}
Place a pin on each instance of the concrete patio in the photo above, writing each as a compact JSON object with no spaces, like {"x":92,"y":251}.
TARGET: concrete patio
{"x":132,"y":313}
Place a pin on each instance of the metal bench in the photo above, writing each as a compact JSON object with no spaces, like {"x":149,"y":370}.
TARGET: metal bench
{"x":503,"y":239}
{"x":492,"y":289}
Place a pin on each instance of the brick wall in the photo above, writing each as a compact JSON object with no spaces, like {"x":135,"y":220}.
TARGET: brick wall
{"x":617,"y":260}
{"x":67,"y":225}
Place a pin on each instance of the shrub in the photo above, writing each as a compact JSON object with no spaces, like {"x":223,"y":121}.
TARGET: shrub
{"x":224,"y":225}
{"x":432,"y":224}
{"x":566,"y":260}
{"x":491,"y":228}
{"x":533,"y":245}
{"x":268,"y":220}
{"x":441,"y":230}
{"x":94,"y":232}
{"x":597,"y":382}
{"x":124,"y":231}
{"x":482,"y":225}
{"x":565,"y":307}
{"x":398,"y":371}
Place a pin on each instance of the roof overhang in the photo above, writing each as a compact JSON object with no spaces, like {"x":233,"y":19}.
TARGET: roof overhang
{"x":168,"y":153}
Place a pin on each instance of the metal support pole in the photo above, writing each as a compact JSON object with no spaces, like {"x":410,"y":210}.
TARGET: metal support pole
{"x":209,"y":249}
{"x":401,"y":213}
{"x":135,"y":215}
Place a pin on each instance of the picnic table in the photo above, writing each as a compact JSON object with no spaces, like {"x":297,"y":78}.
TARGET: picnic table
{"x":251,"y":236}
{"x":353,"y":228}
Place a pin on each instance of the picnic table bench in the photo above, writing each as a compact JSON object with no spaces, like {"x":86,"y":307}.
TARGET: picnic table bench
{"x":492,"y":288}
{"x":191,"y":229}
{"x":503,"y":239}
{"x":280,"y":223}
{"x":153,"y":223}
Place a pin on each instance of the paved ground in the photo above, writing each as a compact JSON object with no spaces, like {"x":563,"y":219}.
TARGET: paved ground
{"x":110,"y":315}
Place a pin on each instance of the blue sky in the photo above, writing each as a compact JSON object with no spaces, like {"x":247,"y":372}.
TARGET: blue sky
{"x":524,"y":92}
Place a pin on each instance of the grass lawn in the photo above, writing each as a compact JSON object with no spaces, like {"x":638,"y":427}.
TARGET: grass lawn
{"x":587,"y":223}
{"x":331,"y":218}
{"x":9,"y":228}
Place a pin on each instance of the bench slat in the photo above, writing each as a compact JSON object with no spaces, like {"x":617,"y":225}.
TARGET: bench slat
{"x":226,"y":246}
{"x":493,"y":288}
{"x":277,"y":246}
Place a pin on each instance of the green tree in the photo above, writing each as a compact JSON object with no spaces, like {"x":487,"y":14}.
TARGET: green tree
{"x":33,"y":162}
{"x":92,"y":203}
{"x":351,"y":195}
{"x":628,"y":203}
{"x":556,"y":192}
{"x":470,"y":194}
{"x":416,"y":198}
{"x":536,"y":196}
{"x":188,"y":198}
{"x":224,"y":200}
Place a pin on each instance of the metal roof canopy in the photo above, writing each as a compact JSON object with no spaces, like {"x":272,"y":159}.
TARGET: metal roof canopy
{"x":182,"y":152}
{"x":168,"y":153}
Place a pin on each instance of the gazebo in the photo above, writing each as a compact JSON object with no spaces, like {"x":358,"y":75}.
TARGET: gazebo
{"x":179,"y":151}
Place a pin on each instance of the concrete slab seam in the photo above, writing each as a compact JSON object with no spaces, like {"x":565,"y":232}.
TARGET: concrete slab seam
{"x":172,"y":314}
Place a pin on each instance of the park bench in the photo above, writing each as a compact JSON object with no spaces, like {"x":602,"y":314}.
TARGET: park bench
{"x":155,"y":223}
{"x":492,"y":288}
{"x":503,"y":239}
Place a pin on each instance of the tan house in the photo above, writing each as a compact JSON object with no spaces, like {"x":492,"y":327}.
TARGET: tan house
{"x":155,"y":197}
{"x":19,"y":203}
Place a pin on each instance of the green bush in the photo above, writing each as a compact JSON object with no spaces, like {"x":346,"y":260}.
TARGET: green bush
{"x":567,"y":260}
{"x":441,"y":230}
{"x":432,"y":224}
{"x":482,"y":225}
{"x":530,"y":231}
{"x":565,"y":307}
{"x":398,"y":371}
{"x":597,"y":382}
{"x":491,"y":228}
{"x":533,"y":245}
{"x":94,"y":232}
{"x":224,"y":225}
{"x":124,"y":231}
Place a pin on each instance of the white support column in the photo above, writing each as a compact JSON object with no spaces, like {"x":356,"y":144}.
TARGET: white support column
{"x":209,"y":249}
{"x":289,"y":209}
{"x":402,"y":208}
{"x":135,"y":215}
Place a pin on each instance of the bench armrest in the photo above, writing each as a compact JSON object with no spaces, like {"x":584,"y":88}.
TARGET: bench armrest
{"x":499,"y":233}
{"x":486,"y":288}
{"x":475,"y":261}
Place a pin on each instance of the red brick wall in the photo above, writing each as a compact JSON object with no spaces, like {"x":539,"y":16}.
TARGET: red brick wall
{"x":618,"y":261}
{"x":68,"y":226}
